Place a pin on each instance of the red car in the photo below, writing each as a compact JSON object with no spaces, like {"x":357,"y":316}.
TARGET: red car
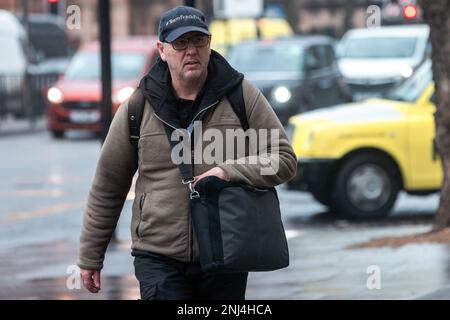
{"x":74,"y":100}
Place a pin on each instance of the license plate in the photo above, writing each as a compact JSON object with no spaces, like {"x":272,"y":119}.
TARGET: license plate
{"x":365,"y":95}
{"x":84,"y":116}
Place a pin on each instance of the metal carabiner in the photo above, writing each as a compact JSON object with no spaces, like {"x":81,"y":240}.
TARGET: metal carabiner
{"x":188,"y":180}
{"x":193,"y":193}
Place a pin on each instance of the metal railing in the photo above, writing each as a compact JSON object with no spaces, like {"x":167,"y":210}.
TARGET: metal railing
{"x":24,"y":96}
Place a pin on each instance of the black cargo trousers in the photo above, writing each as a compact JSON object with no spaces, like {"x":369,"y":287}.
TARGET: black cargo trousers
{"x":163,"y":278}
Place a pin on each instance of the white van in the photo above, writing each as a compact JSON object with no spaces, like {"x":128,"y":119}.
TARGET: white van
{"x":13,"y":65}
{"x":373,"y":61}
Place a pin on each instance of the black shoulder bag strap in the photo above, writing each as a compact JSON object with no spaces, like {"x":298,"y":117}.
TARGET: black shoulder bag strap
{"x":135,"y":111}
{"x":236,"y":98}
{"x":186,"y":169}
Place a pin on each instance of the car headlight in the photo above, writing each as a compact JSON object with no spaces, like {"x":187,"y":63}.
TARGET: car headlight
{"x":54,"y":95}
{"x":122,"y":95}
{"x":282,"y":94}
{"x":407,"y":72}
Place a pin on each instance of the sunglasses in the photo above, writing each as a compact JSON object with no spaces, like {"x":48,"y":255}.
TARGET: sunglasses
{"x":182,"y":43}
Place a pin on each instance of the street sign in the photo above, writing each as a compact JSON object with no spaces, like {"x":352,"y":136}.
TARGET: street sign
{"x":227,"y":9}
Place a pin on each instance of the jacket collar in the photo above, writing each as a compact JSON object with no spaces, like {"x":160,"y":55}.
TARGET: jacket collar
{"x":157,"y":87}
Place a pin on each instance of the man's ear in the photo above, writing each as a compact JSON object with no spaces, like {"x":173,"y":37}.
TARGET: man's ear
{"x":160,"y":47}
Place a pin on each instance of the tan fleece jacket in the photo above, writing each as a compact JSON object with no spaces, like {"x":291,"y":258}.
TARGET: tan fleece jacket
{"x":161,"y":209}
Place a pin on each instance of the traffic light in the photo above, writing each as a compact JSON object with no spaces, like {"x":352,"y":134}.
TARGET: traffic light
{"x":410,"y":12}
{"x":53,"y":6}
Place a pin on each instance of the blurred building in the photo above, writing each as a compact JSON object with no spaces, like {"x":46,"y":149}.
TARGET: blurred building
{"x":334,"y":17}
{"x":128,"y":17}
{"x":140,"y":17}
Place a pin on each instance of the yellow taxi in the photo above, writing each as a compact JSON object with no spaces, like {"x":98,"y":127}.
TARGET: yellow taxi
{"x":356,"y":157}
{"x":228,"y":32}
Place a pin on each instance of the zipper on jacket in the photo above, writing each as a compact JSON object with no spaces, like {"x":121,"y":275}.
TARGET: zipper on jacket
{"x":204,"y":109}
{"x":165,"y":122}
{"x":141,"y":205}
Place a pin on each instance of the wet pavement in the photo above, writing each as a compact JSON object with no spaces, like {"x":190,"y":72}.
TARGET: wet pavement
{"x":321,"y":268}
{"x":44,"y":186}
{"x":10,"y":126}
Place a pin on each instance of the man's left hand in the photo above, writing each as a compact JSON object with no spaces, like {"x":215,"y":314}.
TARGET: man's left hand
{"x":216,"y":171}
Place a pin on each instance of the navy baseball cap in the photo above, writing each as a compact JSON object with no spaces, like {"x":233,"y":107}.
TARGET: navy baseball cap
{"x":180,"y":20}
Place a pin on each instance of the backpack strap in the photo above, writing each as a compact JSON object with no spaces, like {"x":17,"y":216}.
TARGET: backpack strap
{"x":135,"y":111}
{"x":236,"y":98}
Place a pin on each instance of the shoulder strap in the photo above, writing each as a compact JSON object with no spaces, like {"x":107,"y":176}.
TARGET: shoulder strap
{"x":135,"y":110}
{"x":185,"y":169}
{"x":236,"y":98}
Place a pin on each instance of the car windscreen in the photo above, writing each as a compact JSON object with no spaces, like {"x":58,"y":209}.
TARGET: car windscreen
{"x":125,"y":66}
{"x":411,"y":89}
{"x":12,"y":57}
{"x":49,"y":44}
{"x":266,"y":58}
{"x":379,"y":48}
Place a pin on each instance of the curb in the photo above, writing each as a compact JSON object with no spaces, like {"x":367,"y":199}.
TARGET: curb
{"x":10,"y":128}
{"x":440,"y":294}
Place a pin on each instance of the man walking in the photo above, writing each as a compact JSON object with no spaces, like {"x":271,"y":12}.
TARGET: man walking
{"x":188,"y":82}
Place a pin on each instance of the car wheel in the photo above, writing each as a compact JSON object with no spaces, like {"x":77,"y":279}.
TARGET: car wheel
{"x":57,"y":134}
{"x":365,"y":186}
{"x":321,"y":196}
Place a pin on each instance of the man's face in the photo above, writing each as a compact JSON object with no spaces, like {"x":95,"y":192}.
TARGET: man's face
{"x":190,"y":63}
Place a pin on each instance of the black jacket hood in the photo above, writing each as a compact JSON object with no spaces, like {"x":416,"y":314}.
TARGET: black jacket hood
{"x":157,"y":88}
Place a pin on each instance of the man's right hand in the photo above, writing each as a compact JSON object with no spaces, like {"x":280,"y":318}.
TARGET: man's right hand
{"x":91,"y":279}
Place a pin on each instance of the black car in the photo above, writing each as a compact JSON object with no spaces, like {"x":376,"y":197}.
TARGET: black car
{"x":295,"y":74}
{"x":48,"y":37}
{"x":49,"y":54}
